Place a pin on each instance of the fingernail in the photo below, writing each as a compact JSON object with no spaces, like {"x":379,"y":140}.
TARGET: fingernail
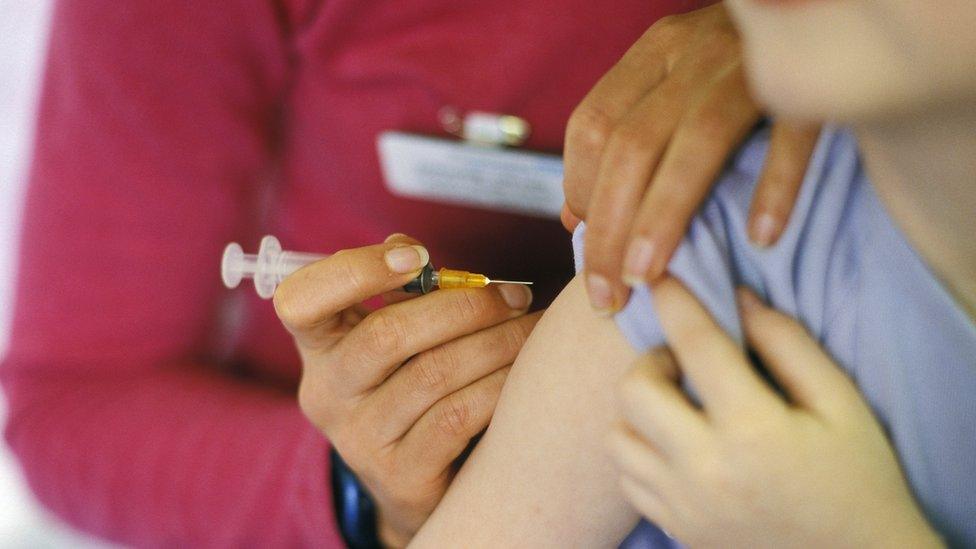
{"x":601,"y":296}
{"x":764,"y":230}
{"x":748,"y":299}
{"x":516,"y":296}
{"x":640,"y":255}
{"x":406,"y":259}
{"x":395,"y":236}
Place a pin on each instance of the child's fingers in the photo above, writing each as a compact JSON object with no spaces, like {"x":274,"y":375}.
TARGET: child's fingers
{"x":656,"y":408}
{"x":635,"y":457}
{"x":647,"y":503}
{"x":715,"y":365}
{"x":809,"y":377}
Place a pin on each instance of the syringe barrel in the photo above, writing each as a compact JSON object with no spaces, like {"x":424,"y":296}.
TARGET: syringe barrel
{"x":289,"y":262}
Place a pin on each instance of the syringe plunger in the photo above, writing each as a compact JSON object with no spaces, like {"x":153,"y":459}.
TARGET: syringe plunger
{"x":268,"y":267}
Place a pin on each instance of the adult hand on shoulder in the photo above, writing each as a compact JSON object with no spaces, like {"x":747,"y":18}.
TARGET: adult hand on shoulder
{"x":750,"y":467}
{"x":645,"y":145}
{"x":402,"y":390}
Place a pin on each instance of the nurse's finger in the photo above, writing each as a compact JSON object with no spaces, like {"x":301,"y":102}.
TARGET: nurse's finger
{"x":398,"y":295}
{"x":390,"y":336}
{"x":568,"y":218}
{"x":308,"y":302}
{"x":628,"y":162}
{"x":790,"y":147}
{"x":431,"y":375}
{"x":708,"y":132}
{"x":446,"y":429}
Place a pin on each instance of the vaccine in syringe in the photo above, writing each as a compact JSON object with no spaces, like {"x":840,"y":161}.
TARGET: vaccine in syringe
{"x":271,"y":265}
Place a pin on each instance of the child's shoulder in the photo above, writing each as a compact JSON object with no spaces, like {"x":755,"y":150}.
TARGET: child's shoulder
{"x":815,"y":257}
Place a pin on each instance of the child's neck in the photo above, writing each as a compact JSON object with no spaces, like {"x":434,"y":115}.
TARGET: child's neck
{"x":924,"y":169}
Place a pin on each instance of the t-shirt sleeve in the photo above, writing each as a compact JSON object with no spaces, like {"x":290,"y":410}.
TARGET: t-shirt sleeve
{"x":704,"y":263}
{"x":814,"y":253}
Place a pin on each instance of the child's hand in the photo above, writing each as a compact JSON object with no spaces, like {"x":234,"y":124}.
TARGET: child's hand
{"x":749,"y":468}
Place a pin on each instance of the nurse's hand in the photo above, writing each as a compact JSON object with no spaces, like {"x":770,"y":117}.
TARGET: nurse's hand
{"x":645,"y":145}
{"x":402,"y":390}
{"x":750,"y":467}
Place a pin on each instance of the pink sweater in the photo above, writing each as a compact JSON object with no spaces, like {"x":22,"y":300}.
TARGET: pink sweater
{"x":150,"y":406}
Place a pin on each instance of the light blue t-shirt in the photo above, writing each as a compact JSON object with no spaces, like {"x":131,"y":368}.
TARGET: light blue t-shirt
{"x":846,"y":271}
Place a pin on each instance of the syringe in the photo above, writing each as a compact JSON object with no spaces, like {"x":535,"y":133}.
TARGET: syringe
{"x":272,"y":264}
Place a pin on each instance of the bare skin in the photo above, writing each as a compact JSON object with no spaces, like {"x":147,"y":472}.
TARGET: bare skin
{"x":541,"y":476}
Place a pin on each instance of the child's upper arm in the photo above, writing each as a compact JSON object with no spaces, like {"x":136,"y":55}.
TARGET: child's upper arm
{"x":540,"y":476}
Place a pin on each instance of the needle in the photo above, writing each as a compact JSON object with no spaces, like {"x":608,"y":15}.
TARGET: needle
{"x":509,"y":282}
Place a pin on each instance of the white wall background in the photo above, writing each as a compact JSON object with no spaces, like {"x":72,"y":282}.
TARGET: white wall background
{"x":23,"y":26}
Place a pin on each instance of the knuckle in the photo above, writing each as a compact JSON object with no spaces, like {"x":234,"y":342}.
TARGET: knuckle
{"x":589,"y":126}
{"x":672,"y":207}
{"x":627,"y":144}
{"x":514,"y":336}
{"x":382,"y":335}
{"x":604,"y":241}
{"x":454,"y":417}
{"x":667,"y":29}
{"x":725,"y":36}
{"x":470,"y":304}
{"x":720,"y":40}
{"x":598,"y":232}
{"x":433,"y":368}
{"x":347,"y":271}
{"x":710,"y":124}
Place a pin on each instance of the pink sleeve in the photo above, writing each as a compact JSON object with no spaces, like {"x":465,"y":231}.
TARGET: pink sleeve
{"x":155,"y":130}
